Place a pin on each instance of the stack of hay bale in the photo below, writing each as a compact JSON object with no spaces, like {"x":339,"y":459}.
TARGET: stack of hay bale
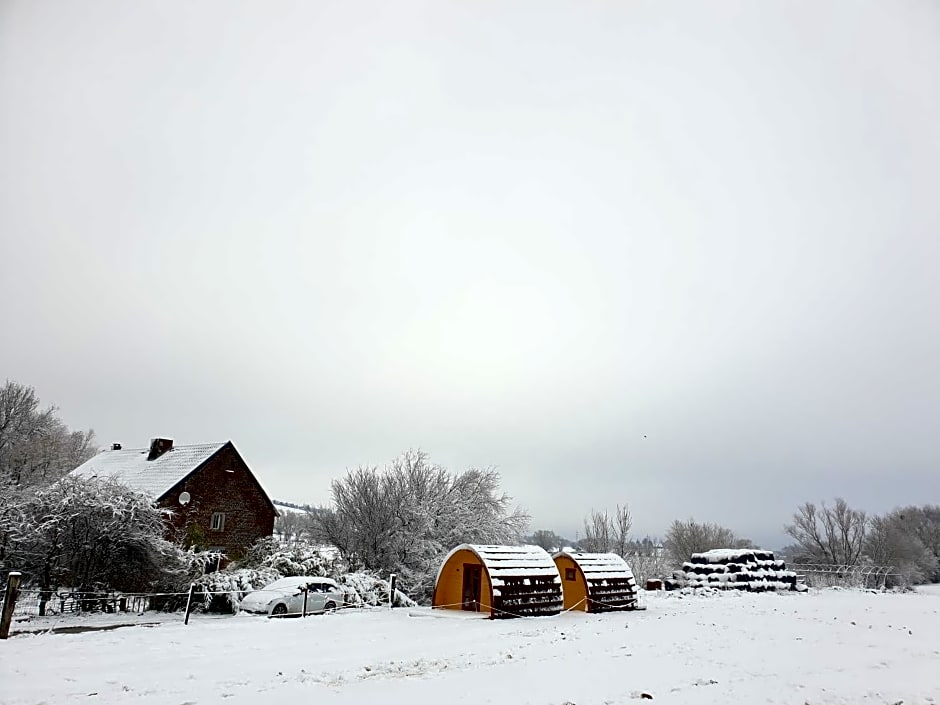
{"x":734,"y":569}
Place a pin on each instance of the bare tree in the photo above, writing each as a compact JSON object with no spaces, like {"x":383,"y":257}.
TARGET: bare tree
{"x":833,"y":535}
{"x":648,"y":559}
{"x":687,"y":537}
{"x":36,"y":447}
{"x":597,"y":530}
{"x":288,"y":525}
{"x":605,"y":534}
{"x":622,"y":523}
{"x":295,"y":523}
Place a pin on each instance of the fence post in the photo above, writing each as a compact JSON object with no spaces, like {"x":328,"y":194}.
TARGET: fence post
{"x":44,"y":597}
{"x":9,"y":602}
{"x":306,"y":590}
{"x":189,"y":601}
{"x":391,"y":590}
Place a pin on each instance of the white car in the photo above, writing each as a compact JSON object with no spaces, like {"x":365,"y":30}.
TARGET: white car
{"x":286,"y":596}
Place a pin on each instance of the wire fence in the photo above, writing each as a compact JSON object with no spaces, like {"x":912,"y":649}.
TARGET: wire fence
{"x":873,"y":577}
{"x":47,"y":603}
{"x":38,"y":603}
{"x":34,"y":603}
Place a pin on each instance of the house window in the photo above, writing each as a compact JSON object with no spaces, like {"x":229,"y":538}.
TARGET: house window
{"x":218,"y":521}
{"x":569,"y":573}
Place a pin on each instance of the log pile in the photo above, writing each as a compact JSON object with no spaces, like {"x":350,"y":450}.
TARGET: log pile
{"x":734,"y":569}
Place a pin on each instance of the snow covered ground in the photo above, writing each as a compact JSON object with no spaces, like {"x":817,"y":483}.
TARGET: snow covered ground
{"x":827,"y":646}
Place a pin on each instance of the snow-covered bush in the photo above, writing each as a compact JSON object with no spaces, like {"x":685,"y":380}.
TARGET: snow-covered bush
{"x":299,"y":558}
{"x":222,"y":590}
{"x":366,"y":588}
{"x":268,"y":560}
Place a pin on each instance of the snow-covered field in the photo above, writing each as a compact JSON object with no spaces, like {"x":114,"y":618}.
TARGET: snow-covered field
{"x":828,"y":646}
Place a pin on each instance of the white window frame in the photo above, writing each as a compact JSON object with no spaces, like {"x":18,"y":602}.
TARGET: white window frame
{"x":217,"y":523}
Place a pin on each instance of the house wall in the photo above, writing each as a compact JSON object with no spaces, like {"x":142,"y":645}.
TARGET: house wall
{"x":448,"y":592}
{"x":575,"y":591}
{"x":222,"y":484}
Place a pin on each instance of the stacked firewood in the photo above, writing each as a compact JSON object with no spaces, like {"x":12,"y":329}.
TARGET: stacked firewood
{"x":734,"y":569}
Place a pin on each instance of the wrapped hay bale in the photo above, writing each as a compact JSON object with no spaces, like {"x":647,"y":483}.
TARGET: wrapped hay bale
{"x":752,"y":569}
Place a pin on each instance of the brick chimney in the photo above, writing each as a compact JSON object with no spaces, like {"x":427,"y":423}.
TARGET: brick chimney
{"x":159,"y":446}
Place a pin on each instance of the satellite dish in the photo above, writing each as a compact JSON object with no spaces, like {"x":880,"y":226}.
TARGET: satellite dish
{"x":184,"y":498}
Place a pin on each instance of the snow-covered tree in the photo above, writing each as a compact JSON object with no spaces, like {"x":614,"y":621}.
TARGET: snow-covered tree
{"x":546,"y":539}
{"x":894,"y":540}
{"x":36,"y":447}
{"x":923,"y":523}
{"x":95,"y":534}
{"x":12,"y":499}
{"x":404,"y":517}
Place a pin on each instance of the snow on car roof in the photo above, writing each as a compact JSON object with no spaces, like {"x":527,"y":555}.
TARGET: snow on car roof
{"x":300,"y":580}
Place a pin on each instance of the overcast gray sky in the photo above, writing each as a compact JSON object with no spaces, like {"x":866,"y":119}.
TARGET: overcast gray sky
{"x":682,"y":255}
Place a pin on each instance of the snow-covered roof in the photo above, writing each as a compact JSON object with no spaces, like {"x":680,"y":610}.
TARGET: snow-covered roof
{"x":503,"y":562}
{"x":155,"y":477}
{"x":599,"y":566}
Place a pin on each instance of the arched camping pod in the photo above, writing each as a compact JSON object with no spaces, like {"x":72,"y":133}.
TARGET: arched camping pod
{"x":596,"y":582}
{"x":505,"y":581}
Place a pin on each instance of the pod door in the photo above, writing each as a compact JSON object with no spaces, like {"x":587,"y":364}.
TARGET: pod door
{"x":471,"y":586}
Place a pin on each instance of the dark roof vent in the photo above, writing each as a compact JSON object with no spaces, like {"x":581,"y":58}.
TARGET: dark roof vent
{"x":159,"y":446}
{"x":115,"y":446}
